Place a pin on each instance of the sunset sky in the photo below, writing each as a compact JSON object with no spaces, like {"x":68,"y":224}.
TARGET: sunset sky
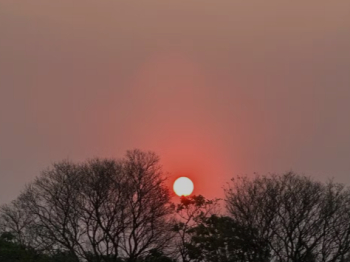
{"x":217,"y":88}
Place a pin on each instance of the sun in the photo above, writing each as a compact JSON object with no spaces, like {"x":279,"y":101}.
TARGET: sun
{"x":183,"y":186}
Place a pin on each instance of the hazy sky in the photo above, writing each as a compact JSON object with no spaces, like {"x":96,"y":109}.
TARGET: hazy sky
{"x":216,"y":88}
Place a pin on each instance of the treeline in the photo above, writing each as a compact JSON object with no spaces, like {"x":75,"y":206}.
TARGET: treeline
{"x":107,"y":210}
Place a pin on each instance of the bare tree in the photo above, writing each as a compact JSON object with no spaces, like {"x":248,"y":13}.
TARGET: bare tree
{"x":148,"y":206}
{"x":300,"y":219}
{"x":51,"y":201}
{"x":99,"y":210}
{"x":15,"y":220}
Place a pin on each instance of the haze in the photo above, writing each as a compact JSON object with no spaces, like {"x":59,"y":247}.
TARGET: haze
{"x":216,"y":88}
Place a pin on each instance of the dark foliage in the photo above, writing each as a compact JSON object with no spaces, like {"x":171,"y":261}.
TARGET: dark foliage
{"x":12,"y":251}
{"x":220,"y":238}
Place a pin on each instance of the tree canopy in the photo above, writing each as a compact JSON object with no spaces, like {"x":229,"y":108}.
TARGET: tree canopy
{"x":299,"y":219}
{"x":121,"y":210}
{"x":98,"y":210}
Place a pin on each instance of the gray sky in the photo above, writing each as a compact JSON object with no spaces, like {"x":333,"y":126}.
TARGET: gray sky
{"x":216,"y":88}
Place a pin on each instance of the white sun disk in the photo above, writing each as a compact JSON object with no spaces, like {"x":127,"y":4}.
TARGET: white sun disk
{"x":183,"y":186}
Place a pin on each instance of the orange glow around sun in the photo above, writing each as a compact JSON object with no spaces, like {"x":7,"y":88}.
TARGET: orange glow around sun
{"x":183,"y":186}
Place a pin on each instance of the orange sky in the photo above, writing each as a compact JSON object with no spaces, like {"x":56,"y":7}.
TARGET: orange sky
{"x":216,"y":88}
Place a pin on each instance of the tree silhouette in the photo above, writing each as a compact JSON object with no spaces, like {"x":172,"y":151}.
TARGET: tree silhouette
{"x":106,"y":210}
{"x":190,"y":212}
{"x":204,"y":235}
{"x":301,"y":220}
{"x":100,"y":210}
{"x":220,"y":238}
